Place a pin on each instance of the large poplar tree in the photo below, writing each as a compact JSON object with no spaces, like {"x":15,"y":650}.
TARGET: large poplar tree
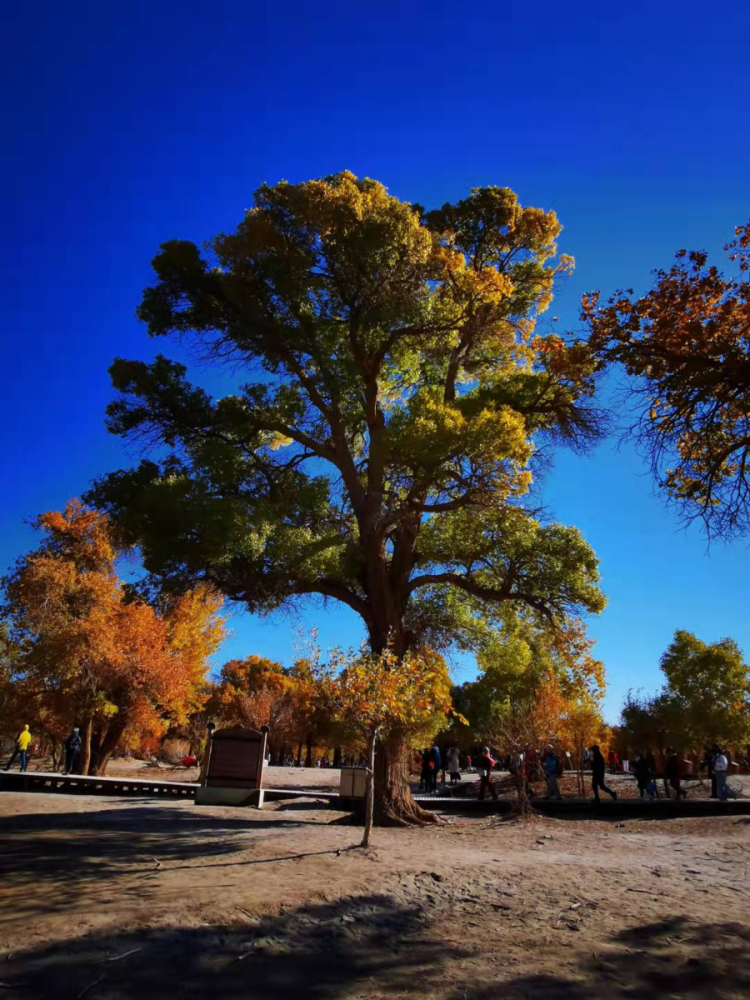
{"x":391,"y":389}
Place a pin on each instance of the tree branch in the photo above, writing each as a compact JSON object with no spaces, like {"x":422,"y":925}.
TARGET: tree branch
{"x":337,"y":591}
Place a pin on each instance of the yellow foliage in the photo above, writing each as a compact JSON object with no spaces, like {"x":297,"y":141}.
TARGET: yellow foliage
{"x":409,"y":696}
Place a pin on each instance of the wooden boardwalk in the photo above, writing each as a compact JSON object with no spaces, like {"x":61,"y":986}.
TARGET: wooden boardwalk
{"x":49,"y":781}
{"x":45,"y":781}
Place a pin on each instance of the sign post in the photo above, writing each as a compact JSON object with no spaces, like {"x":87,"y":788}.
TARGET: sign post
{"x":233,"y":771}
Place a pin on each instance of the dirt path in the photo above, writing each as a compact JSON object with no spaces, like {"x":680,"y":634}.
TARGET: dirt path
{"x":143,"y":899}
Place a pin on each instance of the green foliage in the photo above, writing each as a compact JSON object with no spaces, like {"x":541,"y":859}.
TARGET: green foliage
{"x":710,"y":683}
{"x":531,"y":673}
{"x":379,"y":449}
{"x":706,"y":698}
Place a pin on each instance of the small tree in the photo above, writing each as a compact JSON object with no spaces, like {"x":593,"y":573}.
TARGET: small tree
{"x":710,"y":683}
{"x":537,"y":685}
{"x":583,"y":725}
{"x":706,"y":698}
{"x":379,"y":697}
{"x":257,"y":692}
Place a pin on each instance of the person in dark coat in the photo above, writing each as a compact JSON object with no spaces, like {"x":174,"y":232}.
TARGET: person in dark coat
{"x":435,"y":763}
{"x":672,"y":772}
{"x":598,"y":767}
{"x":72,"y":751}
{"x":552,"y":770}
{"x":643,"y":773}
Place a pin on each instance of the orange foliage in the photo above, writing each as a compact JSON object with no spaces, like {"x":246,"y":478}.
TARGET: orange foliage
{"x":382,"y":693}
{"x":381,"y":697}
{"x":686,"y":343}
{"x":118,"y":668}
{"x":257,"y":692}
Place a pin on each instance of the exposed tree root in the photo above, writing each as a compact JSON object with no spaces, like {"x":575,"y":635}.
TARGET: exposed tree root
{"x":394,"y":803}
{"x":403,"y":812}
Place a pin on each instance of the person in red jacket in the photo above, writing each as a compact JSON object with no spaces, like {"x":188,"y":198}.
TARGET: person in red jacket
{"x":486,"y":763}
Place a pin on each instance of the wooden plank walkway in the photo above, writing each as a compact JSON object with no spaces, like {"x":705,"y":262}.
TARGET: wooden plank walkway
{"x":47,"y":781}
{"x":44,"y":781}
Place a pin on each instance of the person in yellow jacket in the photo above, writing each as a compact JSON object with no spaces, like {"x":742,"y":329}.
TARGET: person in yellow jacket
{"x":21,"y":749}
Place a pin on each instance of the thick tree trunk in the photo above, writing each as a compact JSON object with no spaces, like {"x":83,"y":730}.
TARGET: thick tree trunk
{"x":104,"y":761}
{"x":85,"y":759}
{"x":394,"y":803}
{"x":103,"y":746}
{"x":308,"y":758}
{"x":57,"y":762}
{"x":337,"y":756}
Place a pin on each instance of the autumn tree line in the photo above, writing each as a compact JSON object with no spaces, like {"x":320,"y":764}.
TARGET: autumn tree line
{"x":131,"y":669}
{"x":396,"y":389}
{"x":82,"y":648}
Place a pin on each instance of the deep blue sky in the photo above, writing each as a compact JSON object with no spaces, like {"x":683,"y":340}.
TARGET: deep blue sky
{"x":126,"y":124}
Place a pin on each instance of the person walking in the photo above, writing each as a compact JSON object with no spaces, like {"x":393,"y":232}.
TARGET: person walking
{"x":486,"y":763}
{"x":72,"y":750}
{"x":721,"y":766}
{"x":435,"y":762}
{"x":551,"y":767}
{"x":21,"y":749}
{"x":708,"y":763}
{"x":424,"y":776}
{"x":521,"y":769}
{"x":672,"y":773}
{"x":598,"y":768}
{"x":444,"y":764}
{"x":642,"y":774}
{"x":454,"y":765}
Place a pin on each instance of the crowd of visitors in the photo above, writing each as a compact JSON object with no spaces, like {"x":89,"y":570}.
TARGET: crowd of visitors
{"x":550,"y":765}
{"x":527,"y":765}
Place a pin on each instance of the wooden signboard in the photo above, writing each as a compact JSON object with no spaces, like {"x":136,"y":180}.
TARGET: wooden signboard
{"x":353,"y":782}
{"x":233,"y":773}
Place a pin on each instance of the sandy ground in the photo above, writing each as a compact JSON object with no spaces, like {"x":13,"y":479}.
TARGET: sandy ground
{"x":110,"y":898}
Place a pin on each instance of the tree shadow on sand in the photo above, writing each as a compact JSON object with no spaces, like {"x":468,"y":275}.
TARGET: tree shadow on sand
{"x":321,"y":951}
{"x":48,"y":859}
{"x":373,"y":946}
{"x":675,"y":958}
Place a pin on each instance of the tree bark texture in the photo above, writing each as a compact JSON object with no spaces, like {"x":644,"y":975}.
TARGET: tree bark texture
{"x":394,"y":803}
{"x":103,"y":744}
{"x":85,"y":759}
